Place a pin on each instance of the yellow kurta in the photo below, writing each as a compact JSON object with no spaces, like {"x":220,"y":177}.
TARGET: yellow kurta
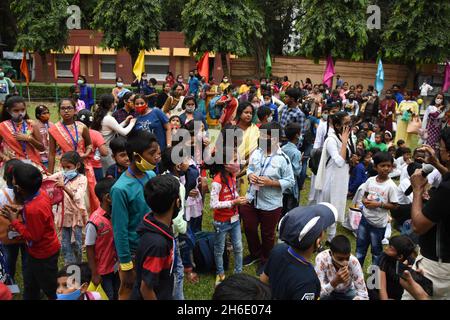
{"x":245,"y":149}
{"x":410,"y":139}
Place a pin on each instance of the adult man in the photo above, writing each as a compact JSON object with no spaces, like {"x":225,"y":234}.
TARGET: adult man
{"x":291,"y":112}
{"x":341,"y":276}
{"x":194,"y":84}
{"x":397,"y":94}
{"x":6,"y":86}
{"x":432,"y":221}
{"x":289,"y":270}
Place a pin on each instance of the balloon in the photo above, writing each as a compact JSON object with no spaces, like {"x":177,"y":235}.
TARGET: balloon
{"x":419,"y":101}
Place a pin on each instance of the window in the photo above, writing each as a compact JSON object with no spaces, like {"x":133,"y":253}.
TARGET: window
{"x":108,"y":67}
{"x":63,"y":66}
{"x":157,"y":67}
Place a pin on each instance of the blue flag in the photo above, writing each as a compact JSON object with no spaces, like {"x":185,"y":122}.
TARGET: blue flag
{"x":379,"y":81}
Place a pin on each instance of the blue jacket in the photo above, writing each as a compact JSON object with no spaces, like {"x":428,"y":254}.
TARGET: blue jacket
{"x":295,"y":156}
{"x":357,"y":177}
{"x":86,"y":96}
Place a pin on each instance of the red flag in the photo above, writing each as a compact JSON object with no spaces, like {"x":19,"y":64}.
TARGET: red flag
{"x":203,"y":66}
{"x":24,"y":67}
{"x":75,"y":65}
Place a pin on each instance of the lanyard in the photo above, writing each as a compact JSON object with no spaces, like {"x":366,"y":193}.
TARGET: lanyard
{"x":134,"y":176}
{"x":298,"y":257}
{"x":264,"y":165}
{"x":232,"y":190}
{"x":75,"y":143}
{"x":24,"y":131}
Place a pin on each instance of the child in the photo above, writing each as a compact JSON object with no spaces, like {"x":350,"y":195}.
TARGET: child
{"x":400,"y":144}
{"x":38,"y":232}
{"x":73,"y":215}
{"x":400,"y":250}
{"x":380,"y":196}
{"x":264,"y":116}
{"x":378,"y":143}
{"x":351,"y":106}
{"x":175,"y":124}
{"x":388,"y":139}
{"x":75,"y":290}
{"x":101,"y":254}
{"x":401,"y":162}
{"x":224,"y":202}
{"x":358,"y":173}
{"x":129,"y":205}
{"x":155,"y":251}
{"x":119,"y":153}
{"x":291,"y":196}
{"x":269,"y":104}
{"x":43,"y":122}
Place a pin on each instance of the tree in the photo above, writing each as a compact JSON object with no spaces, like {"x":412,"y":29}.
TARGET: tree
{"x":41,"y":27}
{"x":133,"y":24}
{"x":225,"y":26}
{"x":171,"y":14}
{"x":333,"y":27}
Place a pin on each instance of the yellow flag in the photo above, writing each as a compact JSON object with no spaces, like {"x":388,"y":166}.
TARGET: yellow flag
{"x":139,"y":65}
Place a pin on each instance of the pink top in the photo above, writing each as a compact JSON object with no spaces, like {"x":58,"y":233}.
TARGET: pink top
{"x":80,"y":105}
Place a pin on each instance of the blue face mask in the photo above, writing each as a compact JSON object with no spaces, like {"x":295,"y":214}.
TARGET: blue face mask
{"x":69,"y":296}
{"x":70,"y":174}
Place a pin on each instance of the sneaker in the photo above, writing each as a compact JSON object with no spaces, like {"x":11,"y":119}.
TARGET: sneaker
{"x":219,"y":279}
{"x":249,"y":260}
{"x":260,"y":269}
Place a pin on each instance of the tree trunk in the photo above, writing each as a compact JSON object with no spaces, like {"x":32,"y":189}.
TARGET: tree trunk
{"x":226,"y":71}
{"x":44,"y":61}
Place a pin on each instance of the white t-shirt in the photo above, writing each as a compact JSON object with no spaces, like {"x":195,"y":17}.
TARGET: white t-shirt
{"x":3,"y":199}
{"x":91,"y":235}
{"x":385,"y":192}
{"x":402,"y":198}
{"x":320,"y":135}
{"x":434,"y":178}
{"x":424,"y":88}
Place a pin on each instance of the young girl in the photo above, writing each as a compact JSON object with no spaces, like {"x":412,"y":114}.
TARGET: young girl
{"x":224,"y":202}
{"x":73,"y":216}
{"x":43,"y":122}
{"x":175,"y":124}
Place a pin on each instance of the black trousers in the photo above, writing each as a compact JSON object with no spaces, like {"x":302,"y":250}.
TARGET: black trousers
{"x":289,"y":203}
{"x":41,"y":274}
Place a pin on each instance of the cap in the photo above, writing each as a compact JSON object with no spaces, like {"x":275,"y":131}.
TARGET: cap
{"x":301,"y":226}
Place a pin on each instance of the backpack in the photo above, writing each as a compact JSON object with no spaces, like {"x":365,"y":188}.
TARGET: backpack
{"x":214,"y":110}
{"x":204,"y":253}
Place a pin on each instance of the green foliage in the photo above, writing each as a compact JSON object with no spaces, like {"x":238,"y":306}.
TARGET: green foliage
{"x":132,"y":24}
{"x":418,"y":31}
{"x":221,"y":26}
{"x":333,"y":27}
{"x":41,"y":24}
{"x":171,"y":14}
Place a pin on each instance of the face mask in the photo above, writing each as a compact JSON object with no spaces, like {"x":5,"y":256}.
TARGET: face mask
{"x":325,"y":117}
{"x":70,"y":174}
{"x":141,"y":109}
{"x":69,"y":296}
{"x":267,"y":102}
{"x":233,"y":168}
{"x":190,"y":109}
{"x":2,"y":74}
{"x":18,"y":117}
{"x":269,"y":119}
{"x":263,"y":83}
{"x":80,"y":82}
{"x":256,"y":105}
{"x":120,"y":84}
{"x":143,"y":165}
{"x":438,"y":101}
{"x":180,"y":80}
{"x":225,"y":80}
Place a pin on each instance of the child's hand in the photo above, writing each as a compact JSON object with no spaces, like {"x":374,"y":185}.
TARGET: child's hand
{"x":193,"y":193}
{"x":10,"y":212}
{"x":240,"y":201}
{"x":253,"y":178}
{"x":371,"y":204}
{"x":60,"y":183}
{"x":264,"y":181}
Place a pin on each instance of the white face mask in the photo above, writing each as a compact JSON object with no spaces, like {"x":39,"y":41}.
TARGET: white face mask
{"x":120,"y":84}
{"x":269,"y":119}
{"x":225,"y":80}
{"x":256,"y":105}
{"x":438,"y":101}
{"x":80,"y":81}
{"x":267,"y":102}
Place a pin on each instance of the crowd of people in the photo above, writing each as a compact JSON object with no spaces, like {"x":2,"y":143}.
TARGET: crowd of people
{"x":118,"y":189}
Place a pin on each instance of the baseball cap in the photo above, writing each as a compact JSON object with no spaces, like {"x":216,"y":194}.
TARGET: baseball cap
{"x":301,"y":226}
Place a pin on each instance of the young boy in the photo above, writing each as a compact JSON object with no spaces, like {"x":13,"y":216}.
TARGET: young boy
{"x":37,"y":227}
{"x":380,"y":196}
{"x":155,"y":252}
{"x":269,"y":104}
{"x":118,"y":148}
{"x":401,"y":162}
{"x":378,"y":143}
{"x":291,"y":196}
{"x":264,"y":115}
{"x":400,"y":144}
{"x":129,"y":205}
{"x":101,"y":253}
{"x":75,"y":290}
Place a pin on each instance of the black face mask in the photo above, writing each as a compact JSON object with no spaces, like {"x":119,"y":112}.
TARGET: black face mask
{"x":17,"y":195}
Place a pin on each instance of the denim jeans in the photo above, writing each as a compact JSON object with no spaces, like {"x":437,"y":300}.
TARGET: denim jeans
{"x":306,"y":156}
{"x":111,"y":284}
{"x":72,"y":253}
{"x":348,"y":295}
{"x":12,"y":253}
{"x":178,"y":293}
{"x":369,"y":235}
{"x":234,"y":229}
{"x":98,"y":172}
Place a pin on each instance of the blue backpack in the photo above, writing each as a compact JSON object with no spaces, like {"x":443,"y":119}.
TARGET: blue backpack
{"x":214,"y":110}
{"x":204,"y":253}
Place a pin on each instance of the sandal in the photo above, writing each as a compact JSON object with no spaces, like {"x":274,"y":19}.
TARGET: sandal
{"x":191,"y":276}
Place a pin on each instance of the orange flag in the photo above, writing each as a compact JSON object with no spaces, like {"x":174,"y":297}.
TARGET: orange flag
{"x":203,"y":66}
{"x":24,"y":67}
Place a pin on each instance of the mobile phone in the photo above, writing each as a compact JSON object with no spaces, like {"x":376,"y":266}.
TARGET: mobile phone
{"x":424,"y":282}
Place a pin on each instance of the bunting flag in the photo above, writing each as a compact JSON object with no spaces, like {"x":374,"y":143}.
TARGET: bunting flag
{"x":329,"y":72}
{"x":268,"y":64}
{"x":75,"y":65}
{"x":203,"y":66}
{"x":379,"y":80}
{"x":139,"y":65}
{"x":446,"y":77}
{"x":24,"y":67}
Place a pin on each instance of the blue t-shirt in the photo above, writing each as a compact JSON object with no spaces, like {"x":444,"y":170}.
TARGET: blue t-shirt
{"x":193,"y":86}
{"x":274,"y":110}
{"x":154,"y":122}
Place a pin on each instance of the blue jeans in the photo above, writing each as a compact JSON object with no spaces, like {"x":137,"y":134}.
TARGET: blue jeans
{"x":369,"y":235}
{"x":178,"y":293}
{"x":98,"y":172}
{"x":111,"y":284}
{"x":348,"y":295}
{"x":12,"y":253}
{"x":222,"y":228}
{"x":306,"y":156}
{"x":72,"y":254}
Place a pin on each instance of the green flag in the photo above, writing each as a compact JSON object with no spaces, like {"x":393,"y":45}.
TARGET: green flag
{"x":268,"y":64}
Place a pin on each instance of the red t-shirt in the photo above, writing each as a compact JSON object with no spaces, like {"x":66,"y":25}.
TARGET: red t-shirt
{"x":228,"y":110}
{"x":97,"y":142}
{"x":38,"y":227}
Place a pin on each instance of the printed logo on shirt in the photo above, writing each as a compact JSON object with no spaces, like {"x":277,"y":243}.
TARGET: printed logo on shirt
{"x":308,"y":296}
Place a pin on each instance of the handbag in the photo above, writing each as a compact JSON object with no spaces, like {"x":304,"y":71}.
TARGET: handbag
{"x":414,"y":125}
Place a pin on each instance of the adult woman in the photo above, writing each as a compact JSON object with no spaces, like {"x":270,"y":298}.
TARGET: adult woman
{"x":191,"y":113}
{"x":170,"y":80}
{"x":230,"y":104}
{"x":85,"y":92}
{"x":71,"y":135}
{"x":244,"y":115}
{"x":108,"y":126}
{"x":19,"y":138}
{"x":163,"y":96}
{"x":43,"y":123}
{"x":118,"y":89}
{"x":432,"y":121}
{"x":172,"y":106}
{"x":125,"y":108}
{"x":180,"y":80}
{"x":406,"y":110}
{"x":387,"y":112}
{"x":224,"y":84}
{"x":333,"y":172}
{"x":152,"y":120}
